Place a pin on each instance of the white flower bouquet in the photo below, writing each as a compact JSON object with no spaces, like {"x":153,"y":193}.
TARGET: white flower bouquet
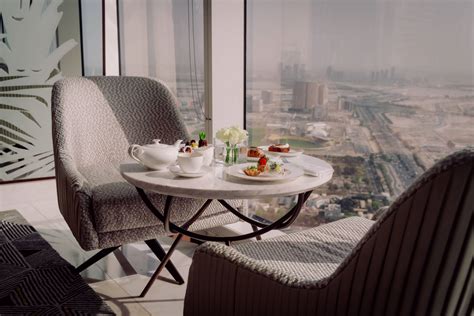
{"x":232,"y":136}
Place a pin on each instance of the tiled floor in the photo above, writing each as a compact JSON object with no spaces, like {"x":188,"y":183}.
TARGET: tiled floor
{"x":118,"y":286}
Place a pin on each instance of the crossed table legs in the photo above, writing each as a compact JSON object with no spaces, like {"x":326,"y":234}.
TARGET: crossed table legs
{"x":182,"y":230}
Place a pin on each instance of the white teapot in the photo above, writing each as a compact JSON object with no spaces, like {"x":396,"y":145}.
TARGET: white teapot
{"x":155,"y":156}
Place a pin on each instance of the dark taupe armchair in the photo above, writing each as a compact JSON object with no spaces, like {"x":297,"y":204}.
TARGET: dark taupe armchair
{"x":415,"y":260}
{"x":95,"y":119}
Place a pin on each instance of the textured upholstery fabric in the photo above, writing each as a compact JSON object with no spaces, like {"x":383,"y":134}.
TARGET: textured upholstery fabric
{"x":117,"y":206}
{"x":416,"y":259}
{"x":95,"y":119}
{"x":301,"y":258}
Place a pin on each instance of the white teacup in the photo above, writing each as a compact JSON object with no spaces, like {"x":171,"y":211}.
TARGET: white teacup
{"x":190,"y":162}
{"x":208,"y":153}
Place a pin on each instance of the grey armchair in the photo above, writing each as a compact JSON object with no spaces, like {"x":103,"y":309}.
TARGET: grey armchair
{"x":95,"y":119}
{"x":415,"y":260}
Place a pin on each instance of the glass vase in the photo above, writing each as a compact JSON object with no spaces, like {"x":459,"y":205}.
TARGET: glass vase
{"x":231,"y":154}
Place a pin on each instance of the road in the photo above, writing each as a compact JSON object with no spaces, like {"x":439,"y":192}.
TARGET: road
{"x":399,"y":160}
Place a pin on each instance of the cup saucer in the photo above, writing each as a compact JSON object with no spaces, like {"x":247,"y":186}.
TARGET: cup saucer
{"x":177,"y":171}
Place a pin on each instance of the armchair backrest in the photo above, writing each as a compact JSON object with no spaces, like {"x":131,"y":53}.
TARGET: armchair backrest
{"x":416,"y":260}
{"x":95,"y":119}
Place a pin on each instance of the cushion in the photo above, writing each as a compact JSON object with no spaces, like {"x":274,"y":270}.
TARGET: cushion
{"x":116,"y":205}
{"x":298,"y":258}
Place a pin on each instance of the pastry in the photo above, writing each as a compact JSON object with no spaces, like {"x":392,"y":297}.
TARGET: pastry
{"x":255,"y":152}
{"x":281,"y":148}
{"x":252,"y":171}
{"x":194,"y":144}
{"x":186,"y":149}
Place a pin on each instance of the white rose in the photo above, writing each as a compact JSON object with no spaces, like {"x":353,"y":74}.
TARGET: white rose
{"x":223,"y":135}
{"x":234,"y":135}
{"x":244,"y":135}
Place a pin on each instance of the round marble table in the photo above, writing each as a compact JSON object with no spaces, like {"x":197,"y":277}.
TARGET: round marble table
{"x":218,"y":185}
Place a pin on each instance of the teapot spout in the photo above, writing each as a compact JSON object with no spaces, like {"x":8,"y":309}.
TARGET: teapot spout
{"x":178,"y":143}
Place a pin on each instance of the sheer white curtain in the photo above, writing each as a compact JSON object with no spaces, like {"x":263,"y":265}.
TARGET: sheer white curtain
{"x":164,"y":40}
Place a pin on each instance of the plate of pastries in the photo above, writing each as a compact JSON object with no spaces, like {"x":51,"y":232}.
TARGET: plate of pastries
{"x":282,"y":150}
{"x":265,"y":170}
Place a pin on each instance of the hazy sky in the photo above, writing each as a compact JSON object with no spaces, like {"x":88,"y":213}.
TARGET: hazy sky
{"x":430,"y":37}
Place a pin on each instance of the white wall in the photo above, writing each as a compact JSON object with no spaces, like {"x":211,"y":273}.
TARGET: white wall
{"x":227,"y":63}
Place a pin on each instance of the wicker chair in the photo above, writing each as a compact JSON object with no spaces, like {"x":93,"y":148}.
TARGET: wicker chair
{"x":95,"y":119}
{"x":415,"y":260}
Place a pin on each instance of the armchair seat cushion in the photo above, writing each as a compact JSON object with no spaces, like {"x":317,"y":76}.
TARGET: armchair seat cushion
{"x":298,"y":258}
{"x":117,"y":206}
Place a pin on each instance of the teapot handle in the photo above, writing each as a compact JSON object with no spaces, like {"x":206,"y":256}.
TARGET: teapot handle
{"x":132,"y":151}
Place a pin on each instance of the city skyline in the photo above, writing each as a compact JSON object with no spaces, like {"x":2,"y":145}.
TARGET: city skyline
{"x":418,"y":38}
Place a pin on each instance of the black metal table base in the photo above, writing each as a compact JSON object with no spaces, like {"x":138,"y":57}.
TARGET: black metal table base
{"x":157,"y":249}
{"x":258,"y":227}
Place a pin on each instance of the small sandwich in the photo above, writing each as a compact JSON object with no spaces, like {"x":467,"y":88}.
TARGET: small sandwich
{"x":252,"y":171}
{"x":255,"y":152}
{"x":281,"y":148}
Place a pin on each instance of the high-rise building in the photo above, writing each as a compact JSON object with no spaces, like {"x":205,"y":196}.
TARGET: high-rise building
{"x":302,"y":72}
{"x":267,"y":97}
{"x":296,"y":71}
{"x":312,"y":94}
{"x":307,"y":95}
{"x":299,"y":95}
{"x":323,"y":93}
{"x":340,"y":103}
{"x":253,"y":104}
{"x":392,"y":73}
{"x":329,"y":73}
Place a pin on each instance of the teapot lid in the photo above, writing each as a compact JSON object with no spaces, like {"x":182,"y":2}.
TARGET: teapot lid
{"x":156,"y":144}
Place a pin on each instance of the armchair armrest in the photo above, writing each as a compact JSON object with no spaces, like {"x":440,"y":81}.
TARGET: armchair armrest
{"x":380,"y":212}
{"x":67,"y":168}
{"x":74,"y":199}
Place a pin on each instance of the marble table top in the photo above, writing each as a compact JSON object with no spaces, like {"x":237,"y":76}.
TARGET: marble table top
{"x":217,"y":184}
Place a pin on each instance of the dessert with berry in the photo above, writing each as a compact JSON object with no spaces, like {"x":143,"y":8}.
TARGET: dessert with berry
{"x":265,"y":167}
{"x":262,"y":164}
{"x":281,"y":148}
{"x":255,"y":152}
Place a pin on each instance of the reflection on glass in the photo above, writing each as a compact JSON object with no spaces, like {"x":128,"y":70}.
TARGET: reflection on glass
{"x":91,"y":16}
{"x":379,"y":89}
{"x":33,"y":56}
{"x":164,"y":40}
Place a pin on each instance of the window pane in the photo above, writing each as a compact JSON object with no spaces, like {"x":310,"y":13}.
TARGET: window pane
{"x":163,"y":39}
{"x":91,"y":16}
{"x":39,"y":44}
{"x":381,"y":89}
